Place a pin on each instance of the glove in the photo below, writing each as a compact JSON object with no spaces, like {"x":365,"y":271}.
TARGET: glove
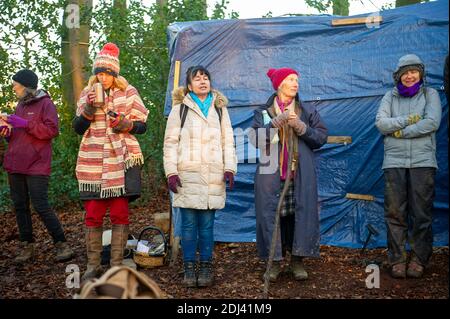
{"x":280,"y":120}
{"x":121,"y":124}
{"x":89,"y":111}
{"x":230,"y":177}
{"x":4,"y":131}
{"x":298,"y":125}
{"x":173,"y":182}
{"x":397,"y":134}
{"x":89,"y":108}
{"x":413,"y":119}
{"x":17,"y":121}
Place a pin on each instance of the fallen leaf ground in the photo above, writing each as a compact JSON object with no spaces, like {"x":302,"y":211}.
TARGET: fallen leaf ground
{"x":338,"y":273}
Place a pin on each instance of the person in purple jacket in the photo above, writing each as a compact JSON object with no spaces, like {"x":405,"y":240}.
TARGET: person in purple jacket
{"x":27,"y":162}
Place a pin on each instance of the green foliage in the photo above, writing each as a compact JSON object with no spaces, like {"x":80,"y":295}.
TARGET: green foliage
{"x":340,"y":7}
{"x":140,"y":33}
{"x":219,"y":11}
{"x":400,"y":3}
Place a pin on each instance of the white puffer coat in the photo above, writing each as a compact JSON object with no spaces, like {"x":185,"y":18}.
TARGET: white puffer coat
{"x":200,"y":152}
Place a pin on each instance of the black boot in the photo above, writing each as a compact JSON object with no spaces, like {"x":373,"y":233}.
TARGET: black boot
{"x":205,"y":274}
{"x":190,"y":280}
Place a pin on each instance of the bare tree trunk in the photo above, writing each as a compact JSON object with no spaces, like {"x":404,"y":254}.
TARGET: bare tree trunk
{"x":400,"y":3}
{"x":120,"y":4}
{"x":79,"y":48}
{"x":66,"y":66}
{"x":75,"y":52}
{"x":341,"y":7}
{"x":119,"y":19}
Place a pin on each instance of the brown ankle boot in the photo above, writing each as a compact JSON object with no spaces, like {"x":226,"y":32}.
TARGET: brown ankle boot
{"x":119,"y":239}
{"x":415,"y":270}
{"x":399,"y":270}
{"x":298,"y":269}
{"x":275,"y":271}
{"x":26,"y":252}
{"x":93,"y":249}
{"x":63,"y":251}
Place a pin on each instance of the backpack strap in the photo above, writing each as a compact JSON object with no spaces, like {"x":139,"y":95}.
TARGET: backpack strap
{"x":219,"y":113}
{"x":184,"y":110}
{"x":183,"y":113}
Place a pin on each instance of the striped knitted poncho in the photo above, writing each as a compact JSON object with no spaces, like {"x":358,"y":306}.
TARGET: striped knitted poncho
{"x":104,"y":156}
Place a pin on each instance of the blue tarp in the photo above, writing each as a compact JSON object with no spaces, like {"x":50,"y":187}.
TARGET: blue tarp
{"x":344,"y":72}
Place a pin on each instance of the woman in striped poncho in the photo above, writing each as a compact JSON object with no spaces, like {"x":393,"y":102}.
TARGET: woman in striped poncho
{"x":110,"y":158}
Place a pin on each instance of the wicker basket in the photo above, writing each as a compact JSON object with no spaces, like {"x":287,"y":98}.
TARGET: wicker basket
{"x":146,"y":260}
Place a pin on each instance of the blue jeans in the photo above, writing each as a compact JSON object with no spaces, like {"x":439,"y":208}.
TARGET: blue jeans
{"x":197,"y":229}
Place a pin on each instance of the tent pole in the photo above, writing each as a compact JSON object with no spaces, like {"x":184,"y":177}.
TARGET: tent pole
{"x":174,"y":241}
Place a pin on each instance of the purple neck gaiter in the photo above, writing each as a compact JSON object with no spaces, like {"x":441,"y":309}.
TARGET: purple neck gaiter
{"x":408,"y":91}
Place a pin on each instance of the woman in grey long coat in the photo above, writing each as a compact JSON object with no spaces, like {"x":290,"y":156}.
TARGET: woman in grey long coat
{"x":299,"y":219}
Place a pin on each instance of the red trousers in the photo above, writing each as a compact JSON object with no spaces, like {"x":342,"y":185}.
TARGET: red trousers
{"x":96,"y":211}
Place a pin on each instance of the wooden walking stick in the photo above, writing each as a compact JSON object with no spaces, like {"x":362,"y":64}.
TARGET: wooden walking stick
{"x":277,"y":215}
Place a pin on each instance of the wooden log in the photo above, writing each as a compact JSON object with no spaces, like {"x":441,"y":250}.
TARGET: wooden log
{"x":339,"y":139}
{"x":352,"y":21}
{"x":176,"y":74}
{"x":360,"y":196}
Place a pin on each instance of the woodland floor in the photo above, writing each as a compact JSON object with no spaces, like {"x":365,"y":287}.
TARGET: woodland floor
{"x":338,"y":273}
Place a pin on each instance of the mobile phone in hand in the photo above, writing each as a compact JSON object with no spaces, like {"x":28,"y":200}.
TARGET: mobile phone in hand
{"x":113,"y":114}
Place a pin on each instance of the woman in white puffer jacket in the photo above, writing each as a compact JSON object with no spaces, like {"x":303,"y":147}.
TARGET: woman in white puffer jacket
{"x":199,"y":156}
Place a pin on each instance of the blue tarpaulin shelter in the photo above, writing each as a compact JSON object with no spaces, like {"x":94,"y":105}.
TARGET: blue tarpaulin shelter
{"x":344,"y":72}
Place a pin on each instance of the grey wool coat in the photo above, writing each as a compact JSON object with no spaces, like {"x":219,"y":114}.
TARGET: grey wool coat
{"x":268,"y":186}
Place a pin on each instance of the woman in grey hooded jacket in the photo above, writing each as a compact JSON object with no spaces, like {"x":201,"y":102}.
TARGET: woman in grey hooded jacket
{"x":408,"y":117}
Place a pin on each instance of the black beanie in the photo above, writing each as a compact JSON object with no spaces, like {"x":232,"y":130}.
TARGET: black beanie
{"x":27,"y":78}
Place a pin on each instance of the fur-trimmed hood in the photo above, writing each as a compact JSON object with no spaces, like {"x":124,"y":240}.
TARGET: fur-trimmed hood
{"x":178,"y":96}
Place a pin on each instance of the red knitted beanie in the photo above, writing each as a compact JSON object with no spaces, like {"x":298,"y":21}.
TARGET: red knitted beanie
{"x":278,"y":75}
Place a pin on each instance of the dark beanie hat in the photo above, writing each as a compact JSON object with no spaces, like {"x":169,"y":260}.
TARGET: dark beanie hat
{"x":27,"y":78}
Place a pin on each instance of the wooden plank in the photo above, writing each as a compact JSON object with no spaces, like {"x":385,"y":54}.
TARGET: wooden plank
{"x":175,"y":250}
{"x":162,"y":221}
{"x":359,"y":196}
{"x":351,"y":21}
{"x":339,"y":139}
{"x":174,"y":242}
{"x":176,"y":74}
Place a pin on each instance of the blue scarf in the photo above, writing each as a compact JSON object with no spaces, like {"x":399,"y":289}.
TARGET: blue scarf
{"x":204,"y":106}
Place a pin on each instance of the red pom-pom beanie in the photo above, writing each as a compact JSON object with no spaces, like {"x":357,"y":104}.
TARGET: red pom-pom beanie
{"x":107,"y":60}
